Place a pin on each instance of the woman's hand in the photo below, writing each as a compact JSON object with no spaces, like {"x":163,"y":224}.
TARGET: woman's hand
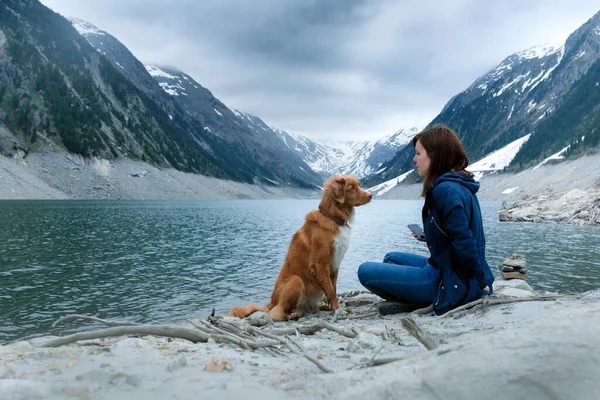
{"x":420,"y":239}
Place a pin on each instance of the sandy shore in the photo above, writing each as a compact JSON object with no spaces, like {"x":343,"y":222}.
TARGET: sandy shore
{"x":537,"y":350}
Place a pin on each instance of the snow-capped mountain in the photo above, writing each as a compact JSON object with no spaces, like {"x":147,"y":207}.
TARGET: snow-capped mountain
{"x":256,"y":157}
{"x":526,"y":88}
{"x":491,"y":163}
{"x":306,"y":156}
{"x":546,"y":92}
{"x":359,"y":158}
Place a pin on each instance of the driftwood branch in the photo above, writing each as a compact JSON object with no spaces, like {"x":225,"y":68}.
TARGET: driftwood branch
{"x":172,"y":331}
{"x":424,"y":310}
{"x":411,"y":326}
{"x":489,"y":301}
{"x":359,"y":301}
{"x":360,"y":316}
{"x":293,"y":350}
{"x":310,"y":358}
{"x":311,"y":329}
{"x":103,"y":321}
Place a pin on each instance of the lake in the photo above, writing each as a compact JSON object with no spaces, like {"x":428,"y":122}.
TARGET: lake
{"x":165,"y":261}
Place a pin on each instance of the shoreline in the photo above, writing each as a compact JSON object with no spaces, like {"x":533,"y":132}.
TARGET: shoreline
{"x":59,"y":175}
{"x":516,"y":350}
{"x":63,"y":176}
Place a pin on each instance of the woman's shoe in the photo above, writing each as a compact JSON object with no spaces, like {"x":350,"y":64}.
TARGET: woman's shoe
{"x":395,"y":307}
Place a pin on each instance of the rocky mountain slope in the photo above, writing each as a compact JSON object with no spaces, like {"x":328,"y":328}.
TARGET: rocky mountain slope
{"x":259,"y":153}
{"x":58,"y":92}
{"x":548,"y":93}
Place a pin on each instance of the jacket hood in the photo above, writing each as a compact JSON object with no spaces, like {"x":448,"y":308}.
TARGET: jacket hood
{"x":460,"y":178}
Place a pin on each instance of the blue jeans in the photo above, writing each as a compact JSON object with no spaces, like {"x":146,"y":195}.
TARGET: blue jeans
{"x":401,"y":277}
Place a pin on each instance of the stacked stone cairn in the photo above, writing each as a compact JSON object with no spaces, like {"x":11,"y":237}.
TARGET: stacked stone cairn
{"x":514,"y":267}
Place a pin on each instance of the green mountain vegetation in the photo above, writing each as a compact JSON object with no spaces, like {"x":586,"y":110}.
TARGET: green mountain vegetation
{"x":575,"y":124}
{"x":57,"y":91}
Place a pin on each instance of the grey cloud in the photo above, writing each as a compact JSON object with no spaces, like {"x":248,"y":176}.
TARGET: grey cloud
{"x":355,"y":67}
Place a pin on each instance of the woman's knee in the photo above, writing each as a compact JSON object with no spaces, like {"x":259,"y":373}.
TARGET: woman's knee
{"x":390,"y":257}
{"x":401,"y":258}
{"x":396,"y":257}
{"x":364,"y":272}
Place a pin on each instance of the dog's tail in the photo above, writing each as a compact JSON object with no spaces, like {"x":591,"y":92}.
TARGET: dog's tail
{"x":244,"y":311}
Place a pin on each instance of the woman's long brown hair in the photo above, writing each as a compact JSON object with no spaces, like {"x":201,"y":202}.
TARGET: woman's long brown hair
{"x":445,"y":150}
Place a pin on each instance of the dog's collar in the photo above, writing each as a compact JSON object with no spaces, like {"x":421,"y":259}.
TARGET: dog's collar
{"x":337,"y":220}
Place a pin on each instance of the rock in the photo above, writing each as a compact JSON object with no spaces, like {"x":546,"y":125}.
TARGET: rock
{"x":573,"y":207}
{"x":259,"y":318}
{"x":218,"y":365}
{"x":516,"y":261}
{"x":140,"y":174}
{"x":514,"y":275}
{"x":512,"y":288}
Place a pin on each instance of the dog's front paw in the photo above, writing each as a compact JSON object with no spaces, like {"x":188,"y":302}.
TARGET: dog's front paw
{"x":340,"y":312}
{"x":294,"y":317}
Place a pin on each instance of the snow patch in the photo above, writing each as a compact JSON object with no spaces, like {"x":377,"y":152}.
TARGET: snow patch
{"x":555,"y":156}
{"x":155,"y":71}
{"x":579,"y":55}
{"x":539,"y":51}
{"x":499,"y":159}
{"x":547,"y":74}
{"x":173,"y":90}
{"x":511,"y":111}
{"x":509,"y":84}
{"x":85,"y":28}
{"x":510,"y":190}
{"x":386,"y":186}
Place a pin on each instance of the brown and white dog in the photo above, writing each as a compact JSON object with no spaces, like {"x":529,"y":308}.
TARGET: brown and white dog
{"x":314,"y":256}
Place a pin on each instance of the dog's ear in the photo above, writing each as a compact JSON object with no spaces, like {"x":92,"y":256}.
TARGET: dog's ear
{"x":338,"y":189}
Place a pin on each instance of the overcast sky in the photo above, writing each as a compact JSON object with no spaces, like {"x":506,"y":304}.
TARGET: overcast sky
{"x":342,"y":69}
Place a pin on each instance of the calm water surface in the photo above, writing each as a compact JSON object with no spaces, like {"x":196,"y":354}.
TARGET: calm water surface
{"x":162,"y":261}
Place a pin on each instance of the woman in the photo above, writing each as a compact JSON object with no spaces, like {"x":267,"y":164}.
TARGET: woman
{"x":456,"y":272}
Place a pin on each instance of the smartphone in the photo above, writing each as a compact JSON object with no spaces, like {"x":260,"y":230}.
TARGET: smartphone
{"x":417,"y":230}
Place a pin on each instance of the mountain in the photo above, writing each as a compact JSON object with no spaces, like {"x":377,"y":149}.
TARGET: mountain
{"x":545,"y":92}
{"x":261,"y":154}
{"x":56,"y":92}
{"x":359,"y":158}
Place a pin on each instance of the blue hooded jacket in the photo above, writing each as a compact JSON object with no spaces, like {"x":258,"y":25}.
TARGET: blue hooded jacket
{"x":454,"y":233}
